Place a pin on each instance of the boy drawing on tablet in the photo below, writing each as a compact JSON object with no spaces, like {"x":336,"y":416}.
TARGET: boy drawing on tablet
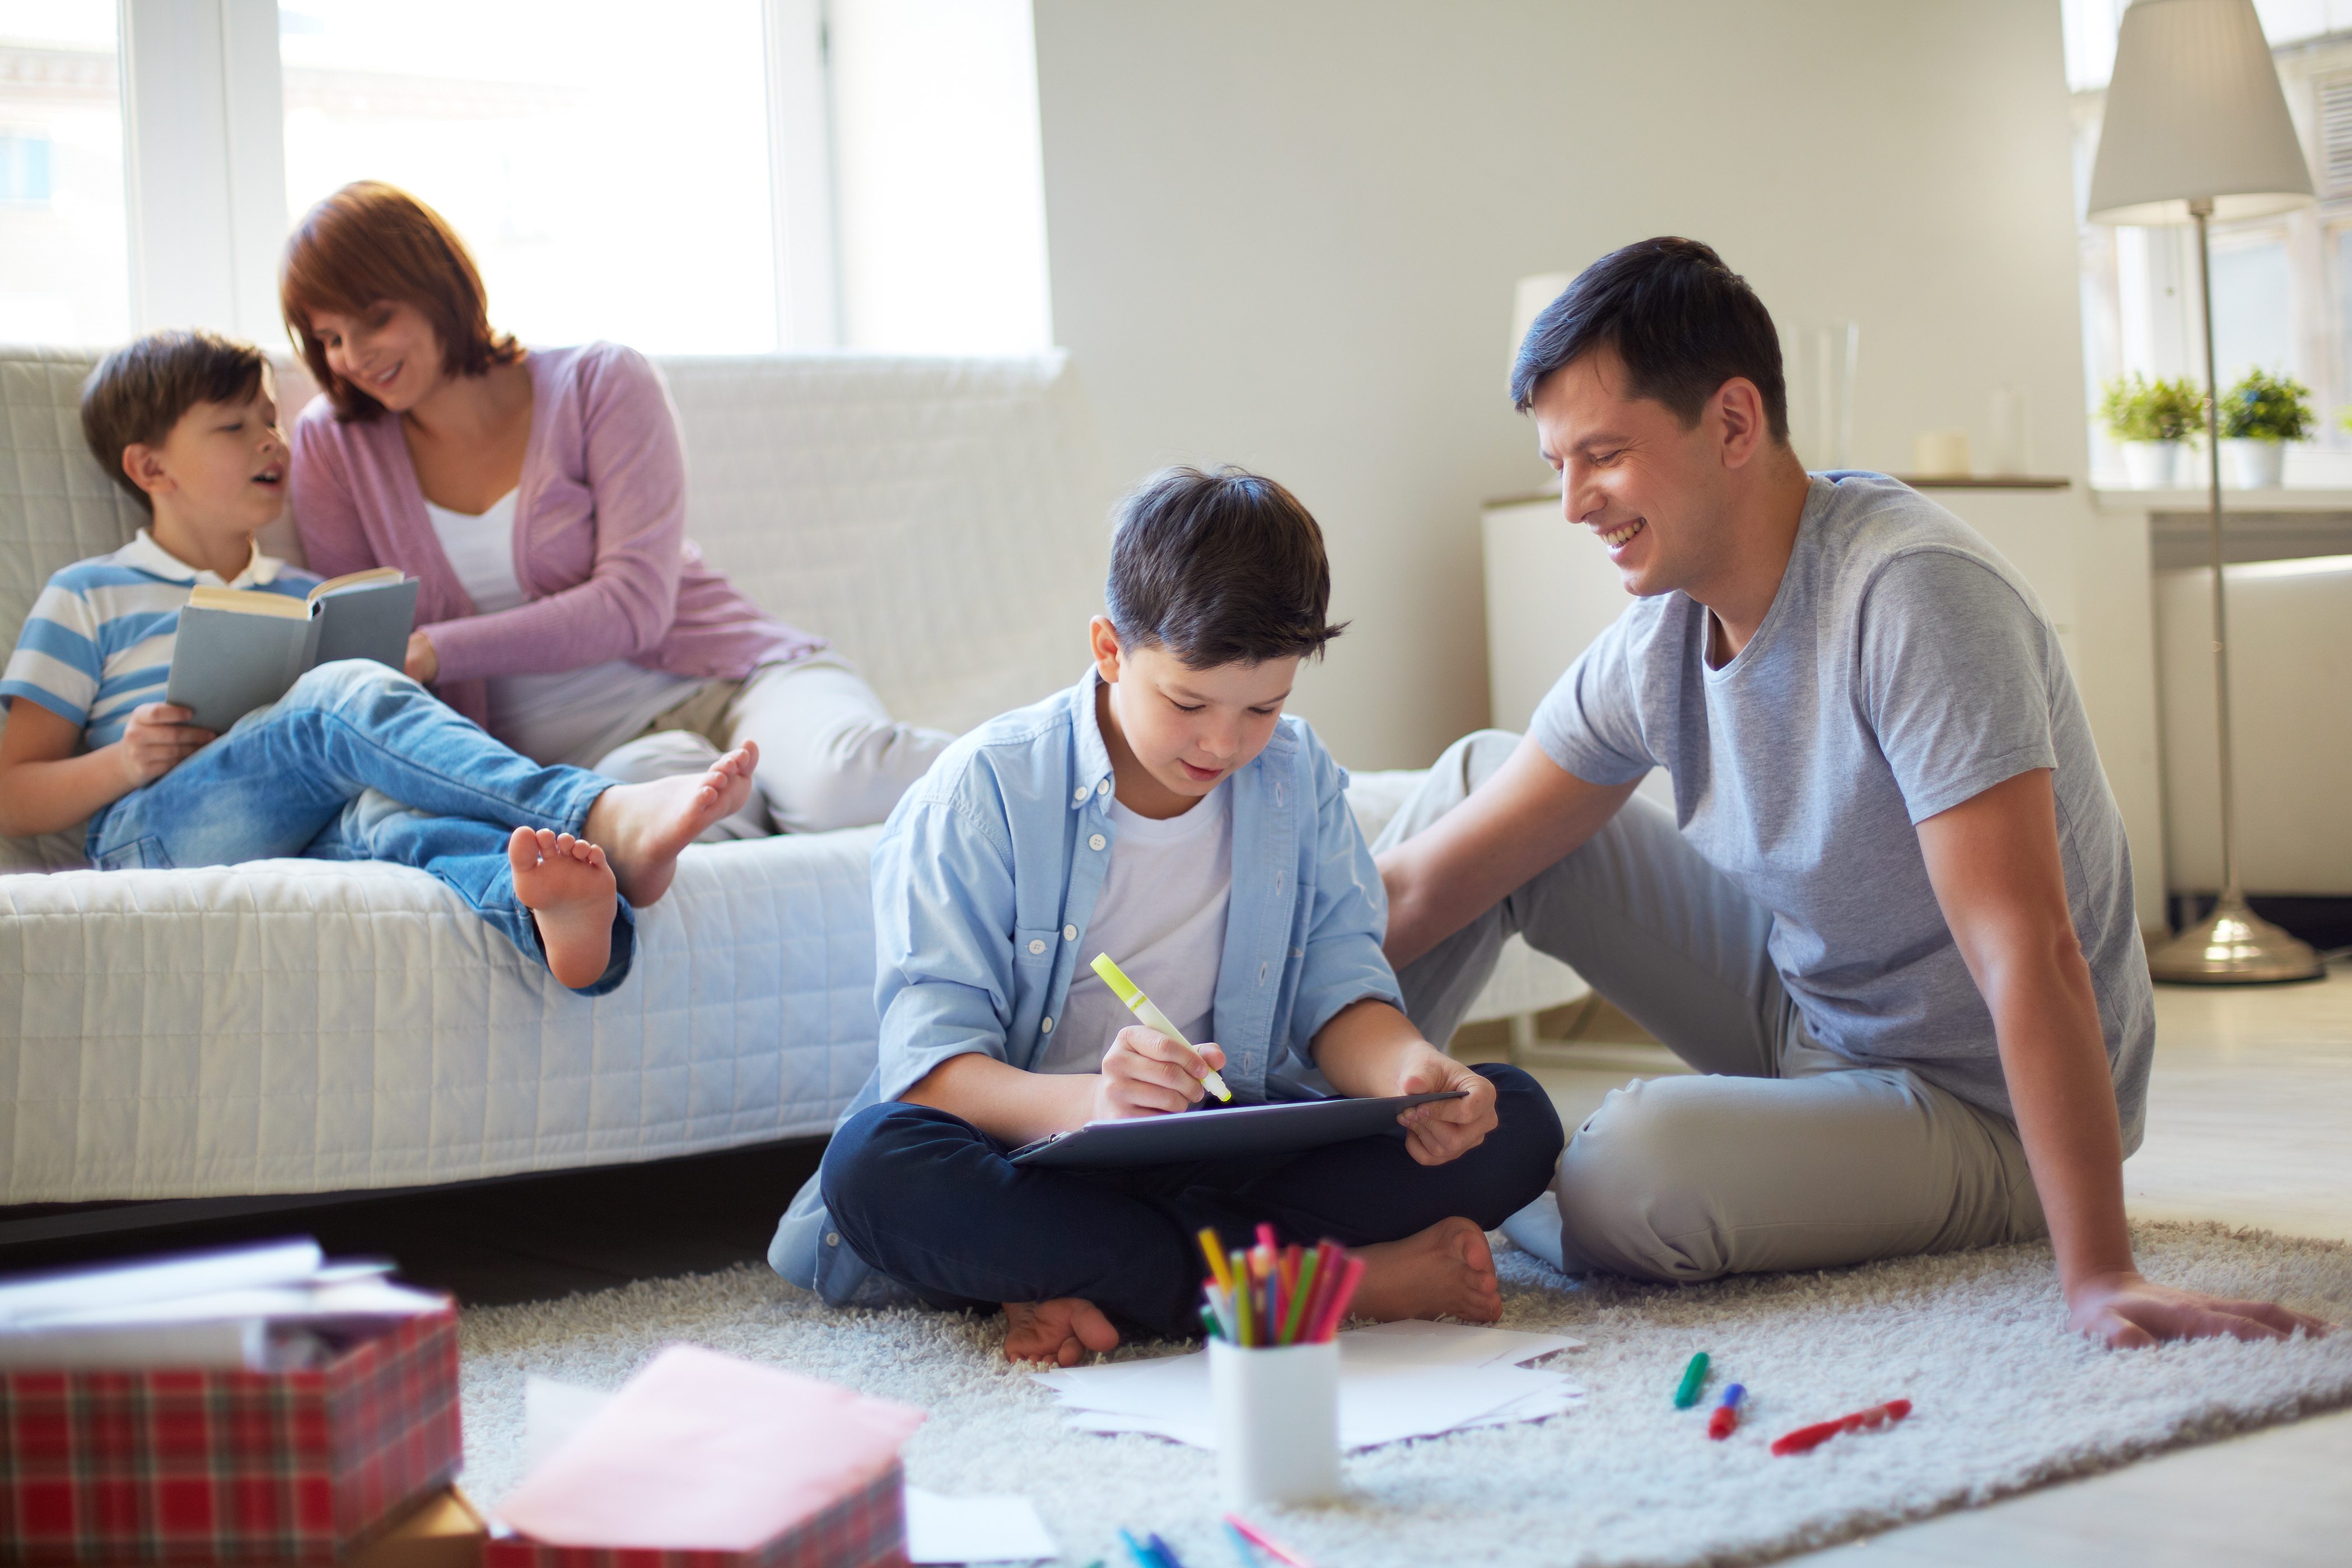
{"x":1163,"y":809}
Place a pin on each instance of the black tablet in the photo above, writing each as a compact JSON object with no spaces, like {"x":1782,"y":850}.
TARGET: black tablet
{"x":1221,"y":1132}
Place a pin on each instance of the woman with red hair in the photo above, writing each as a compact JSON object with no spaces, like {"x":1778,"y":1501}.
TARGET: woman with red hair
{"x":539,"y":497}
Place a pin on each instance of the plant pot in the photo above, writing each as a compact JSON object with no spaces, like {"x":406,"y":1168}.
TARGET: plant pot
{"x":2255,"y":464}
{"x":2152,"y":465}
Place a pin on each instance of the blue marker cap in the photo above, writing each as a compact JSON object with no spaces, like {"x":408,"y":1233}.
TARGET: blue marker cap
{"x":1734,"y":1395}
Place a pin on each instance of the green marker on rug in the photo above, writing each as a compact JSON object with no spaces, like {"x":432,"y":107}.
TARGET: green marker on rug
{"x":1152,"y":1018}
{"x":1693,"y":1379}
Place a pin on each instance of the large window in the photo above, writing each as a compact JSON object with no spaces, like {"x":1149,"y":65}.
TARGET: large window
{"x":64,"y":274}
{"x":2282,"y":286}
{"x":610,"y":172}
{"x":696,"y":177}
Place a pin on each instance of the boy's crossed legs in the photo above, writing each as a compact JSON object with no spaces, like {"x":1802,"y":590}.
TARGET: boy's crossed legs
{"x":933,"y":1203}
{"x":358,"y":761}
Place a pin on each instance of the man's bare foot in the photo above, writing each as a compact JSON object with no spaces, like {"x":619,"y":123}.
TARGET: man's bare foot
{"x":1445,"y":1271}
{"x":1062,"y":1330}
{"x":644,"y":825}
{"x":567,"y":884}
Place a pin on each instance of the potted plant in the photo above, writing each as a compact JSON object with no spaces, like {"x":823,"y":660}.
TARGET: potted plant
{"x":2260,"y":415}
{"x":2152,"y":421}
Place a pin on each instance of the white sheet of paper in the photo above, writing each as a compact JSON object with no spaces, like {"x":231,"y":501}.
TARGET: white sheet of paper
{"x":1384,"y":1396}
{"x":1472,"y":1345}
{"x":37,"y":1297}
{"x":974,"y":1529}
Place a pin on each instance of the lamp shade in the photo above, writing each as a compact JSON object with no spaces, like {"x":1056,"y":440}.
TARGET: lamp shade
{"x":2195,"y":112}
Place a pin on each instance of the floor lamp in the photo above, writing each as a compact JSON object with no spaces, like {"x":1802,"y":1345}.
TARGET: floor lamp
{"x":2196,"y":128}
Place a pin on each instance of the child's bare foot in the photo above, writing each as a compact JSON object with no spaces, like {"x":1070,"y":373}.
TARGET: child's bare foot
{"x":1446,"y":1272}
{"x":644,"y":825}
{"x":567,"y":884}
{"x":1061,"y":1330}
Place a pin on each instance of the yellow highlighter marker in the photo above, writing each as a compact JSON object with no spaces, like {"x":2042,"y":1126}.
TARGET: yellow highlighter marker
{"x":1139,"y":1004}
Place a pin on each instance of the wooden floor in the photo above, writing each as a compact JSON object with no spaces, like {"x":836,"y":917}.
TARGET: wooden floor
{"x":2249,"y":1120}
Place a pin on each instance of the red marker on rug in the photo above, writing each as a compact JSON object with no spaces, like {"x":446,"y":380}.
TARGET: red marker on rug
{"x":1806,"y":1439}
{"x":1726,"y":1419}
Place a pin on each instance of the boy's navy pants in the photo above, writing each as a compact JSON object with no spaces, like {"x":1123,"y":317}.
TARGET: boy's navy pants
{"x":931,"y":1201}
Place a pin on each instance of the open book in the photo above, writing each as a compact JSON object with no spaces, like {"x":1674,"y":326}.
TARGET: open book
{"x":239,"y":648}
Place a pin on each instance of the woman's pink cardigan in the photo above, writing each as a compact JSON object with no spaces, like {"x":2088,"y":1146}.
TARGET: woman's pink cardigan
{"x":600,"y":541}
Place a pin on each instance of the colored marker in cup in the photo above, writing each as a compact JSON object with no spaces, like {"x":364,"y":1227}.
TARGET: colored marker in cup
{"x":1152,"y":1018}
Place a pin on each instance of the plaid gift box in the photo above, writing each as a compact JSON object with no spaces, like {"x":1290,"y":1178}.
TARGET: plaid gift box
{"x":867,"y":1529}
{"x":198,"y":1466}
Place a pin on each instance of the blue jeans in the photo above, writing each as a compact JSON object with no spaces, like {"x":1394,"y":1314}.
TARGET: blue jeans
{"x":358,"y":761}
{"x":931,"y":1201}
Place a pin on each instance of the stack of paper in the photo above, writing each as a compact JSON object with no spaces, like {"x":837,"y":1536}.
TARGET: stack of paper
{"x":273,"y":1307}
{"x":1397,"y":1381}
{"x":940,"y":1529}
{"x":701,"y":1452}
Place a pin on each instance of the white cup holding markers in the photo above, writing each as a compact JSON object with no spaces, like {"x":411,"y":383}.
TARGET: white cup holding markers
{"x":1273,"y":1314}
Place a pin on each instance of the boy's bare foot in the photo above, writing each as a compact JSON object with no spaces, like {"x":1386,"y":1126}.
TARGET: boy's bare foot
{"x":567,"y":884}
{"x":644,"y":825}
{"x":1062,"y":1330}
{"x":1445,"y":1271}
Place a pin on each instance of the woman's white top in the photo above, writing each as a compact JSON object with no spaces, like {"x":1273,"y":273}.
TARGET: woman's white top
{"x":1161,"y":918}
{"x":572,"y":716}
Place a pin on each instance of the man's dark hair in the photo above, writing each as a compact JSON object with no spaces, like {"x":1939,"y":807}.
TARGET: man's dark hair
{"x":140,"y":391}
{"x":1218,"y":568}
{"x":1682,"y":321}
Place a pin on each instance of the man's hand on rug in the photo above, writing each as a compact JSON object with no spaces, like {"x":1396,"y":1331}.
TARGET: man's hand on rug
{"x":1061,"y":1332}
{"x":2126,"y":1311}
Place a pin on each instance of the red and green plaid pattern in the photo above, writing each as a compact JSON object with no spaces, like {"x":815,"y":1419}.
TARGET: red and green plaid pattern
{"x":199,"y":1467}
{"x":867,"y":1529}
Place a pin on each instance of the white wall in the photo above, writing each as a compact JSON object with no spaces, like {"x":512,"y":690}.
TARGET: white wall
{"x":1285,"y":233}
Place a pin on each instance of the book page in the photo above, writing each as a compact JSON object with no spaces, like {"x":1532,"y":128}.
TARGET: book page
{"x":356,"y":580}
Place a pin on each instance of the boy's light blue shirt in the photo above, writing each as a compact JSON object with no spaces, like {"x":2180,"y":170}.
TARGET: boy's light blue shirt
{"x":986,"y":875}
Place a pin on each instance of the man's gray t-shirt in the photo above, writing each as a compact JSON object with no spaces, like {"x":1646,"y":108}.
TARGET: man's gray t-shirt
{"x":1902,"y":667}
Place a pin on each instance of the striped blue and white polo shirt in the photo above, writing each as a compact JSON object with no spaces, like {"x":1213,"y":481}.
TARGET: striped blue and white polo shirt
{"x":98,"y":642}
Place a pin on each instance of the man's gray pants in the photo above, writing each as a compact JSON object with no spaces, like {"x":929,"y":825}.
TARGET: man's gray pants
{"x":1785,"y":1154}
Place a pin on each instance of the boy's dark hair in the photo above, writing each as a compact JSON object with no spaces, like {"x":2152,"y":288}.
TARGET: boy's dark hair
{"x":140,"y":391}
{"x":1682,"y":323}
{"x":1218,"y":568}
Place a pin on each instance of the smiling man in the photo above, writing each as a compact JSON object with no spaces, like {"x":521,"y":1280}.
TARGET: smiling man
{"x":1890,"y":917}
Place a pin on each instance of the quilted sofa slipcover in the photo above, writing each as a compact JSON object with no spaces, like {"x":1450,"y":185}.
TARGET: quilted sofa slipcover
{"x":292,"y":1026}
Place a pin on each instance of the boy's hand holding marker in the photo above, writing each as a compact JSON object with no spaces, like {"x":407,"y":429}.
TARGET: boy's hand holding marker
{"x":1152,"y":1070}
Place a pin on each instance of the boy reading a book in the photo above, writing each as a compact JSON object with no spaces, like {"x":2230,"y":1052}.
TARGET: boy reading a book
{"x":356,"y":762}
{"x":1163,"y":811}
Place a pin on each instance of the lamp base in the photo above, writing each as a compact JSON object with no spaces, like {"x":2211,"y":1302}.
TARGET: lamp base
{"x":2233,"y":946}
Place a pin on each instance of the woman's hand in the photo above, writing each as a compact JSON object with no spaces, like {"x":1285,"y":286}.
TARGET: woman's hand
{"x":423,"y":665}
{"x":1145,"y":1073}
{"x":158,"y":739}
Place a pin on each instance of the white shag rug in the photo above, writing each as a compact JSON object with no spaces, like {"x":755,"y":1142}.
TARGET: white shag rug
{"x":2004,"y":1398}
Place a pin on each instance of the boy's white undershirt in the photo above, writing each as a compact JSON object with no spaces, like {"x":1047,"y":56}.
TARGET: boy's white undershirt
{"x":569,"y":716}
{"x":1161,"y":918}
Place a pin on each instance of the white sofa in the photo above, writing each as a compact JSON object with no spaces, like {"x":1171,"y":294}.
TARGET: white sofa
{"x":292,"y":1026}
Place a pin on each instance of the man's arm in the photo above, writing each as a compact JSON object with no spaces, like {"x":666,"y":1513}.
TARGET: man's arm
{"x":45,"y":786}
{"x":1994,"y":862}
{"x":1529,"y":814}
